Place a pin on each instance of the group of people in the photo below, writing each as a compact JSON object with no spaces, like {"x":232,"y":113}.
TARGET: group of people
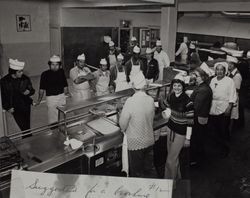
{"x":113,"y":74}
{"x":191,"y":118}
{"x":213,"y":104}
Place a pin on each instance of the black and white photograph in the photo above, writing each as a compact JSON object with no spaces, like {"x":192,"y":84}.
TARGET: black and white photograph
{"x":125,"y":99}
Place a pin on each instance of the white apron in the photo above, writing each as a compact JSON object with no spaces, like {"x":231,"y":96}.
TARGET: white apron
{"x":102,"y":85}
{"x":121,"y":81}
{"x":135,"y":69}
{"x":52,"y":103}
{"x":81,"y":91}
{"x":112,"y":60}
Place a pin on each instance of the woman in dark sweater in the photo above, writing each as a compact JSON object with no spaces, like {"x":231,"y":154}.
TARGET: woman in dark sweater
{"x":202,"y":98}
{"x":179,"y":125}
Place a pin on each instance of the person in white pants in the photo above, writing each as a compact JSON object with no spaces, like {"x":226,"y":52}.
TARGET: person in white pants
{"x":54,"y":83}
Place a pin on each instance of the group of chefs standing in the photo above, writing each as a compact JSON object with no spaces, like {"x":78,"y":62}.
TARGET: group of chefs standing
{"x":213,"y":102}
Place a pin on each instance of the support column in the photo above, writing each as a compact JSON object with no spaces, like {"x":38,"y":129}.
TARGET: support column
{"x":168,"y":30}
{"x":2,"y":124}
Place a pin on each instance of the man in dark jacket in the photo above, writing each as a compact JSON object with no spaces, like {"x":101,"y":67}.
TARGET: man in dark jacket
{"x":16,"y":90}
{"x":150,"y":66}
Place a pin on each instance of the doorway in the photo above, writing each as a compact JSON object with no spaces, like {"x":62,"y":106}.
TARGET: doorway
{"x":124,"y":37}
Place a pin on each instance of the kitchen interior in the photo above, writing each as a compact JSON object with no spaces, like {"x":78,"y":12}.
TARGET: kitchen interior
{"x":68,"y":28}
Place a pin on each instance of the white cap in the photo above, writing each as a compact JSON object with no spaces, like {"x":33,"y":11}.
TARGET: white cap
{"x":55,"y":59}
{"x":192,"y":46}
{"x":166,"y":114}
{"x":179,"y":77}
{"x":111,"y":43}
{"x":16,"y":65}
{"x":103,"y":61}
{"x":236,"y":53}
{"x":210,"y":58}
{"x":232,"y":59}
{"x":248,"y":54}
{"x":158,"y":43}
{"x":139,"y":81}
{"x":224,"y":64}
{"x":136,"y":49}
{"x":120,"y":57}
{"x":107,"y":39}
{"x":81,"y":57}
{"x":148,"y":50}
{"x":133,"y":38}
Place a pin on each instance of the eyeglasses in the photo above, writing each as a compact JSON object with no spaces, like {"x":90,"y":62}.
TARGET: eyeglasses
{"x":196,"y":75}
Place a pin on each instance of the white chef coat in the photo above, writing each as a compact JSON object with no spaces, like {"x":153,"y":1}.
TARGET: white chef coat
{"x":224,"y":92}
{"x":183,"y":51}
{"x":163,"y":61}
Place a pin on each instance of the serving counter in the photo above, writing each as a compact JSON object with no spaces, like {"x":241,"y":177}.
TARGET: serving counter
{"x":100,"y":152}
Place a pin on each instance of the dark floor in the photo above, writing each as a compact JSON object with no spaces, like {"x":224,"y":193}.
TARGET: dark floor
{"x":226,"y":177}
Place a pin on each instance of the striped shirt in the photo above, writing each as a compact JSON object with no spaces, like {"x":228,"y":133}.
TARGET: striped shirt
{"x":181,"y":113}
{"x":137,"y":120}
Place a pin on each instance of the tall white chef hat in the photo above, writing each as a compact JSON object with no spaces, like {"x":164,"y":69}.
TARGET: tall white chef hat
{"x":103,"y":61}
{"x":139,"y":81}
{"x":192,"y":46}
{"x":15,"y":64}
{"x":107,"y":39}
{"x":133,"y":38}
{"x":248,"y":54}
{"x":158,"y":43}
{"x":136,"y":49}
{"x":224,"y":64}
{"x":120,"y":57}
{"x":81,"y":57}
{"x":180,"y":77}
{"x":111,"y":43}
{"x":55,"y":59}
{"x":232,"y":59}
{"x":237,"y":53}
{"x":148,"y":50}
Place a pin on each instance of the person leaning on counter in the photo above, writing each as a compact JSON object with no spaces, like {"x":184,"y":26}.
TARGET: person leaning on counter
{"x":136,"y":121}
{"x":81,"y":76}
{"x":16,"y":90}
{"x":54,"y":83}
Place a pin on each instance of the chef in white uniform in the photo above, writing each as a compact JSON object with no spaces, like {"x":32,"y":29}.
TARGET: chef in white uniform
{"x":120,"y":80}
{"x":112,"y":54}
{"x":183,"y":50}
{"x":162,"y":58}
{"x":80,"y":75}
{"x":102,"y":79}
{"x":234,"y":73}
{"x":134,"y":65}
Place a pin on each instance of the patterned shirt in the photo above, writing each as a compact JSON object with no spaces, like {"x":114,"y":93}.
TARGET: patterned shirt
{"x":136,"y":120}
